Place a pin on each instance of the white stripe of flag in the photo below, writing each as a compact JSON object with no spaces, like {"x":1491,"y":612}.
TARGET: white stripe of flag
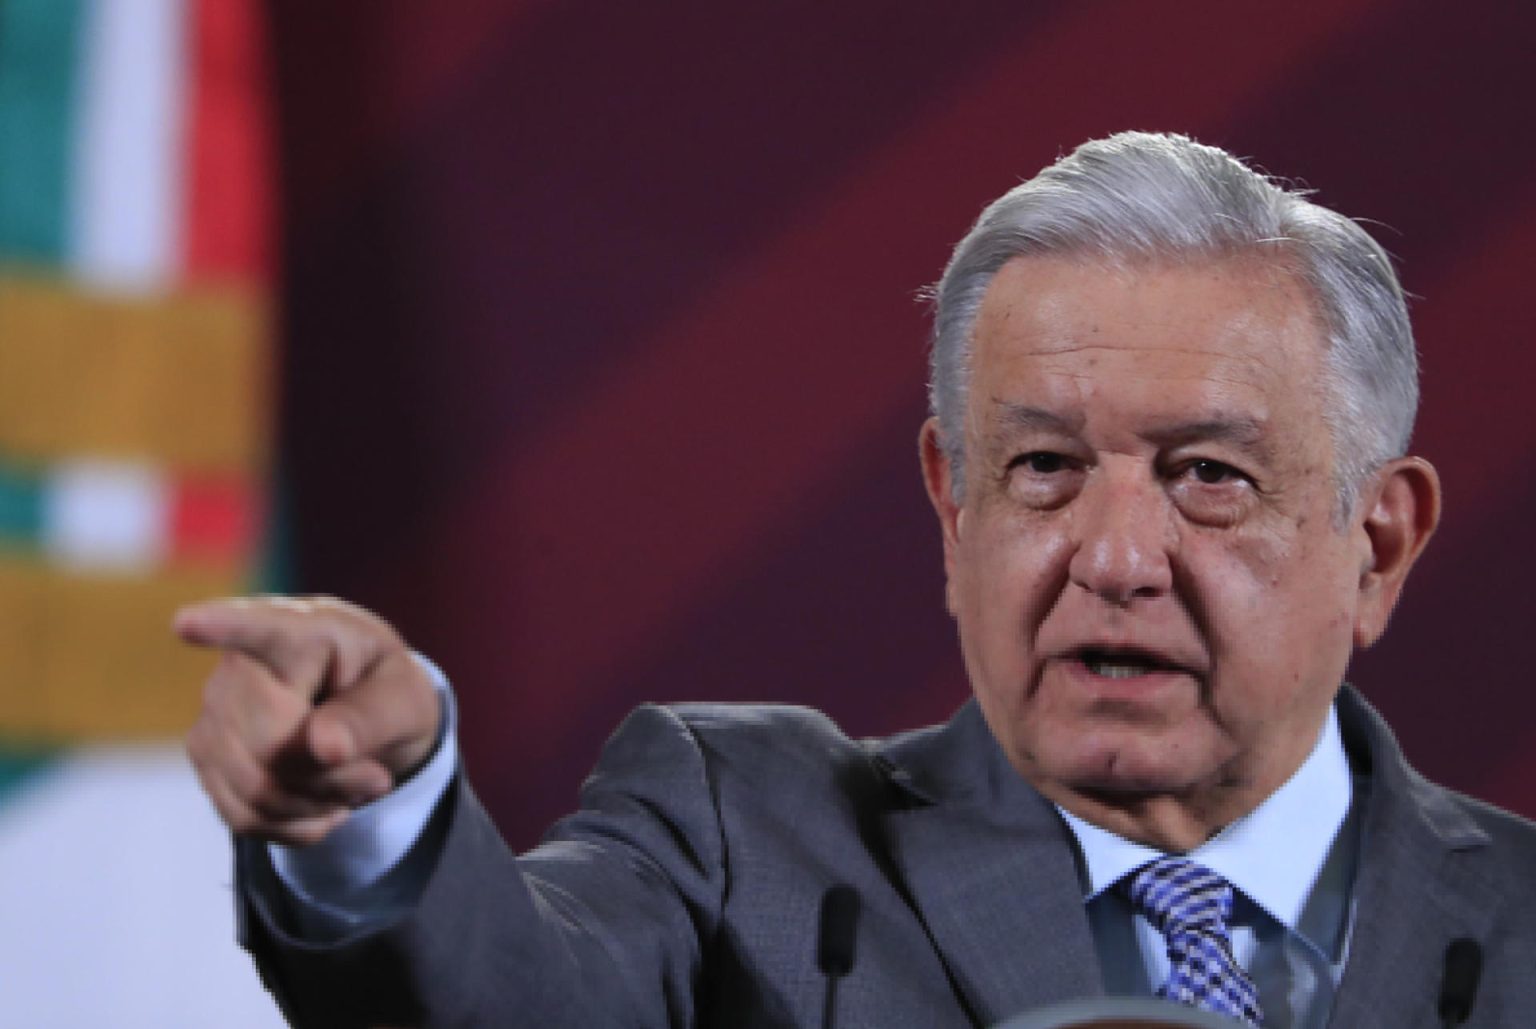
{"x":106,"y":516}
{"x":126,"y":211}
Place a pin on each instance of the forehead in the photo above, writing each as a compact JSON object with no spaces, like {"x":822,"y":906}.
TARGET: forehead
{"x":1232,"y":336}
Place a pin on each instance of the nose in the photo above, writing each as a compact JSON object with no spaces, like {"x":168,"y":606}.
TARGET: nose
{"x":1124,"y":537}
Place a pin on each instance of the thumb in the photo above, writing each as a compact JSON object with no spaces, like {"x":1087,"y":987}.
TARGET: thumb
{"x":392,"y":715}
{"x":331,"y":736}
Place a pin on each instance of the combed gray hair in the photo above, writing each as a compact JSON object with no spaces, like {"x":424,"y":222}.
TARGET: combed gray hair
{"x":1140,"y":195}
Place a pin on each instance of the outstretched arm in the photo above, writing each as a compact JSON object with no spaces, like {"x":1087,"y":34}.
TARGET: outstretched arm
{"x":317,"y":707}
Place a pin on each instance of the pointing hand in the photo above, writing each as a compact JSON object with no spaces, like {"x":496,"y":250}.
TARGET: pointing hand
{"x":315,"y":707}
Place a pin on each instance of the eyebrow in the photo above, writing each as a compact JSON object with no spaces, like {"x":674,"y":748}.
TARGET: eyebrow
{"x":1025,"y":418}
{"x":1247,"y":433}
{"x":1241,"y":431}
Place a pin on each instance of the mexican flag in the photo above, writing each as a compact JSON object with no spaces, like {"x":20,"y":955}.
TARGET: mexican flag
{"x":136,"y":217}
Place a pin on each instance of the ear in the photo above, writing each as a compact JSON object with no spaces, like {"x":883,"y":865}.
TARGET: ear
{"x":938,"y":477}
{"x":1404,"y":508}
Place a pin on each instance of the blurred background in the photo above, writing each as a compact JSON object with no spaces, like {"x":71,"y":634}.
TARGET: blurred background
{"x":580,"y":340}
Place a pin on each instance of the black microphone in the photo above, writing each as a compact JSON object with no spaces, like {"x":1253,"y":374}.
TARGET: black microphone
{"x":834,"y":948}
{"x":1463,"y":967}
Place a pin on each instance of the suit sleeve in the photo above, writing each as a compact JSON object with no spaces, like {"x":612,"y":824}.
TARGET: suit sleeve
{"x":605,"y":923}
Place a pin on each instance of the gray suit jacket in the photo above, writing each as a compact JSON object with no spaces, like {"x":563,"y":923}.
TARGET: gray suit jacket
{"x":686,"y":891}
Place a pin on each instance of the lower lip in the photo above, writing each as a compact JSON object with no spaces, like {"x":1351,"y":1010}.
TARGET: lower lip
{"x":1133,"y":687}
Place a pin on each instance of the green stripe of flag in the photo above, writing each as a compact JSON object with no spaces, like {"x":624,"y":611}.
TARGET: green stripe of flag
{"x":21,"y":505}
{"x":19,"y":762}
{"x":39,"y":51}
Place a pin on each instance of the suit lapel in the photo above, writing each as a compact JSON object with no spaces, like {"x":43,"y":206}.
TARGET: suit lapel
{"x":991,"y":872}
{"x":1417,"y":888}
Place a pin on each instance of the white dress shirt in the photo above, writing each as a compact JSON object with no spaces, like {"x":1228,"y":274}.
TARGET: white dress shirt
{"x":1291,"y":861}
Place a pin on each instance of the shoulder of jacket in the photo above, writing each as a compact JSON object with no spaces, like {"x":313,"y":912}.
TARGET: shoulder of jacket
{"x":1506,"y":829}
{"x":757,"y":733}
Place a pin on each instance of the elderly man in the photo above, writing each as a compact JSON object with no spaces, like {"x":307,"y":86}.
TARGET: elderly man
{"x":1171,"y":402}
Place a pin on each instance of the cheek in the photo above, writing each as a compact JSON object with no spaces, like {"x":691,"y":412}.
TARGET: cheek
{"x":1011,"y":569}
{"x":1006,"y":579}
{"x":1279,"y":606}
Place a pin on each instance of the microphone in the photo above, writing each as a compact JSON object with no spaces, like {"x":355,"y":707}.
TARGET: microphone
{"x":835,"y":945}
{"x":1458,"y":987}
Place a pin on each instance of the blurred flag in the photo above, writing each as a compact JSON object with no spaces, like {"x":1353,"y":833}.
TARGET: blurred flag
{"x":135,"y":429}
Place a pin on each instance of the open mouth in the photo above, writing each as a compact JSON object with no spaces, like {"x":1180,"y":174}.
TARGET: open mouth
{"x":1123,"y":664}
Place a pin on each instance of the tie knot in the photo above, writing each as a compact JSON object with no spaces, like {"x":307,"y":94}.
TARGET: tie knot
{"x":1180,"y":895}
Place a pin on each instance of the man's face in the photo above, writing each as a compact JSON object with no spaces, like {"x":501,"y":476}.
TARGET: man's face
{"x":1153,"y":595}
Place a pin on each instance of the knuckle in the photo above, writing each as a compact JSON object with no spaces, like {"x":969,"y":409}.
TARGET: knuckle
{"x":306,"y":833}
{"x":250,"y":784}
{"x":200,"y":759}
{"x":231,"y":677}
{"x":215,"y":689}
{"x":281,"y":603}
{"x":270,"y":806}
{"x":357,"y":619}
{"x":195,"y":743}
{"x":208,"y":754}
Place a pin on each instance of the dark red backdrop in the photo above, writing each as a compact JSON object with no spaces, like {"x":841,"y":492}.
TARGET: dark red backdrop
{"x":603,"y":368}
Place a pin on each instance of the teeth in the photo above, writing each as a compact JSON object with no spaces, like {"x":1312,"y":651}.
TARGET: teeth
{"x":1118,"y":669}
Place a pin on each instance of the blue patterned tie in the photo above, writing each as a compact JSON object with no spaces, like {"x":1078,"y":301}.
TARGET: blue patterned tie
{"x":1190,"y":904}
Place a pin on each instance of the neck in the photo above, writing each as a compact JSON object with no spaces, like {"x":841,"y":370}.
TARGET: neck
{"x":1169,"y":823}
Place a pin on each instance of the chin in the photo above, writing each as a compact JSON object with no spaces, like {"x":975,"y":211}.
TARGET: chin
{"x":1133,"y":768}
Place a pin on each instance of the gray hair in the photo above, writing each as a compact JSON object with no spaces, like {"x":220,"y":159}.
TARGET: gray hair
{"x":1140,"y":195}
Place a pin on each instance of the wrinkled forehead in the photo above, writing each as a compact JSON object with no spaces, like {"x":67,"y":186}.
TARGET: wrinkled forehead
{"x":1233,"y":337}
{"x":1201,"y":290}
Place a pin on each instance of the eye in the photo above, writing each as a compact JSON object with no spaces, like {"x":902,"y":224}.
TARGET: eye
{"x":1043,"y":480}
{"x":1214,"y":473}
{"x":1041,"y":462}
{"x":1212,"y":492}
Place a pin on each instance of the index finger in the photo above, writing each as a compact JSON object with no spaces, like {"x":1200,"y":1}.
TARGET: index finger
{"x":275,"y":631}
{"x":229,"y":623}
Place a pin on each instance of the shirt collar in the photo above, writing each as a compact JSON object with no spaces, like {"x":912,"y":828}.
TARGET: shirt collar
{"x":1273,"y":855}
